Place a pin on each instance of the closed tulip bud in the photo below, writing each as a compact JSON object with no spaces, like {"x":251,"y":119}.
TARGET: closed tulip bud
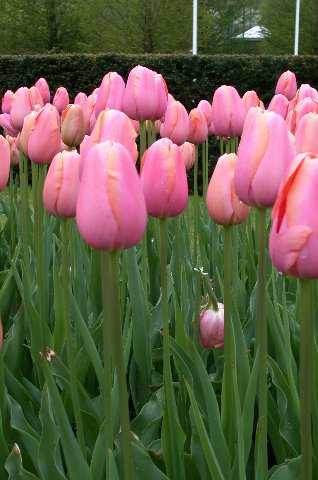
{"x":35,"y":98}
{"x":294,"y":234}
{"x":82,"y":100}
{"x":224,"y":206}
{"x":62,"y":184}
{"x":265,"y":154}
{"x":61,"y":99}
{"x":7,"y":101}
{"x":4,"y":162}
{"x":198,"y":131}
{"x":6,"y":124}
{"x":44,"y":89}
{"x":279,"y":104}
{"x":307,"y":134}
{"x":302,"y":108}
{"x":228,"y":112}
{"x":211,"y":324}
{"x":72,"y":125}
{"x":250,"y":99}
{"x":14,"y":149}
{"x":25,"y":100}
{"x":110,"y":93}
{"x":41,"y":137}
{"x":111,"y":212}
{"x":206,"y":108}
{"x":146,"y":95}
{"x":164,"y":179}
{"x":176,"y":123}
{"x":188,"y":154}
{"x":287,"y":85}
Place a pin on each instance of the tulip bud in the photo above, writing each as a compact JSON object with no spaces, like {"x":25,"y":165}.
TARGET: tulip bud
{"x":188,"y":154}
{"x":61,"y":99}
{"x":176,"y":123}
{"x":228,"y":112}
{"x":287,"y":85}
{"x":279,"y":104}
{"x":294,"y":234}
{"x":265,"y":154}
{"x":82,"y":100}
{"x":44,"y":89}
{"x":7,"y":101}
{"x":110,"y":93}
{"x":6,"y":124}
{"x":212,"y":327}
{"x":223,"y":204}
{"x":198,"y":132}
{"x":72,"y":125}
{"x":25,"y":100}
{"x":14,"y":149}
{"x":110,"y":212}
{"x":164,"y":179}
{"x":250,"y":99}
{"x":295,"y":115}
{"x":307,"y":134}
{"x":61,"y":184}
{"x":206,"y":108}
{"x":146,"y":95}
{"x":4,"y":162}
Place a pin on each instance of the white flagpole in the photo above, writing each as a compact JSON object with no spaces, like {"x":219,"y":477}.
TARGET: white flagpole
{"x":297,"y":16}
{"x":195,"y":28}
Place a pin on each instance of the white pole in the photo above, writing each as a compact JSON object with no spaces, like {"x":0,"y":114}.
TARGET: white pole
{"x":195,"y":28}
{"x":297,"y":15}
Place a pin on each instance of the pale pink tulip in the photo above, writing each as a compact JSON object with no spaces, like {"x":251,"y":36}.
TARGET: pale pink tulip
{"x":4,"y":162}
{"x":306,"y":136}
{"x":279,"y":104}
{"x":7,"y":101}
{"x":206,"y":108}
{"x":61,"y":99}
{"x":287,"y":85}
{"x":228,"y":112}
{"x":24,"y":101}
{"x":110,"y":93}
{"x":212,"y":327}
{"x":198,"y":131}
{"x":14,"y":149}
{"x":6,"y":124}
{"x":176,"y":123}
{"x":188,"y":154}
{"x":44,"y":89}
{"x":72,"y":125}
{"x":250,"y":99}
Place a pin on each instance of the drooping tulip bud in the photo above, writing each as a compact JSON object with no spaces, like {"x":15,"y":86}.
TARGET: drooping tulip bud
{"x":206,"y":108}
{"x":198,"y":131}
{"x":250,"y":99}
{"x":61,"y":99}
{"x":188,"y":154}
{"x":4,"y":162}
{"x":287,"y":85}
{"x":41,"y":137}
{"x":224,"y":206}
{"x":265,"y":154}
{"x":294,"y":234}
{"x":7,"y":101}
{"x":212,"y":327}
{"x":110,"y":93}
{"x":6,"y":124}
{"x":62,"y":184}
{"x":14,"y":149}
{"x":24,"y":101}
{"x":228,"y":112}
{"x":279,"y":104}
{"x":176,"y":123}
{"x":72,"y":125}
{"x":146,"y":95}
{"x":111,"y":212}
{"x":164,"y":179}
{"x":306,"y":136}
{"x":44,"y":89}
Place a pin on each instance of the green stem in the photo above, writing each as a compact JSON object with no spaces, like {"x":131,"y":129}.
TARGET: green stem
{"x":118,"y":355}
{"x":69,"y":340}
{"x":206,"y":165}
{"x":306,"y":376}
{"x":261,"y":346}
{"x":203,"y":168}
{"x":196,"y":205}
{"x":12,"y":210}
{"x":178,"y":260}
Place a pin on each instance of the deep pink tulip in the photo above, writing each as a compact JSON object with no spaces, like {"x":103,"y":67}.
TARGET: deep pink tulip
{"x":14,"y":149}
{"x":44,"y":89}
{"x":72,"y":125}
{"x":206,"y":108}
{"x":265,"y":154}
{"x":294,"y":234}
{"x":62,"y":184}
{"x":188,"y":154}
{"x":25,"y":100}
{"x":279,"y":104}
{"x":176,"y":123}
{"x":111,"y":212}
{"x":307,"y":105}
{"x":306,"y":136}
{"x":110,"y":93}
{"x":4,"y":162}
{"x":250,"y":99}
{"x":223,"y":204}
{"x":212,"y":327}
{"x":198,"y":131}
{"x":41,"y":137}
{"x":228,"y":112}
{"x":6,"y":124}
{"x":61,"y":99}
{"x":164,"y":179}
{"x":7,"y":101}
{"x":287,"y":85}
{"x":146,"y":95}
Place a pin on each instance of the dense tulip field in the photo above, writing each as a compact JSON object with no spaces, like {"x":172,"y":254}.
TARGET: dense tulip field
{"x":145,"y":333}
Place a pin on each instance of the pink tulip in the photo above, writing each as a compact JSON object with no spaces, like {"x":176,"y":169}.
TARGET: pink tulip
{"x":62,"y":184}
{"x":41,"y":137}
{"x":164,"y":179}
{"x":146,"y":95}
{"x":61,"y":99}
{"x":294,"y":233}
{"x":4,"y":162}
{"x":265,"y":154}
{"x":25,"y":100}
{"x":228,"y":112}
{"x":279,"y":104}
{"x":72,"y":126}
{"x":307,"y":134}
{"x":14,"y":149}
{"x":294,"y":116}
{"x":7,"y":101}
{"x":136,"y":126}
{"x":212,"y":327}
{"x":223,"y":204}
{"x":110,"y":93}
{"x":176,"y":123}
{"x":287,"y":85}
{"x":188,"y":154}
{"x":250,"y":99}
{"x":198,"y":131}
{"x":206,"y":108}
{"x":44,"y":89}
{"x":111,"y":212}
{"x":6,"y":124}
{"x":82,"y":100}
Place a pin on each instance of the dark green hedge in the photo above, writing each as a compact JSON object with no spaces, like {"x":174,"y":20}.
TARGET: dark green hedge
{"x":189,"y":78}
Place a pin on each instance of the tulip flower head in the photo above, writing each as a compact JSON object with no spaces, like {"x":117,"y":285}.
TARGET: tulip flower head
{"x":188,"y":154}
{"x":279,"y":104}
{"x":212,"y":327}
{"x":206,"y":108}
{"x":72,"y":125}
{"x":228,"y":112}
{"x":24,"y":101}
{"x":44,"y":89}
{"x":287,"y":85}
{"x":61,"y":99}
{"x":176,"y":123}
{"x":198,"y":131}
{"x":306,"y":136}
{"x":14,"y":149}
{"x":6,"y":124}
{"x":250,"y":99}
{"x":110,"y":93}
{"x":7,"y":101}
{"x":4,"y":162}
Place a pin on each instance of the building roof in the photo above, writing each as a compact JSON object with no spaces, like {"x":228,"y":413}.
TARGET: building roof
{"x":255,"y":33}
